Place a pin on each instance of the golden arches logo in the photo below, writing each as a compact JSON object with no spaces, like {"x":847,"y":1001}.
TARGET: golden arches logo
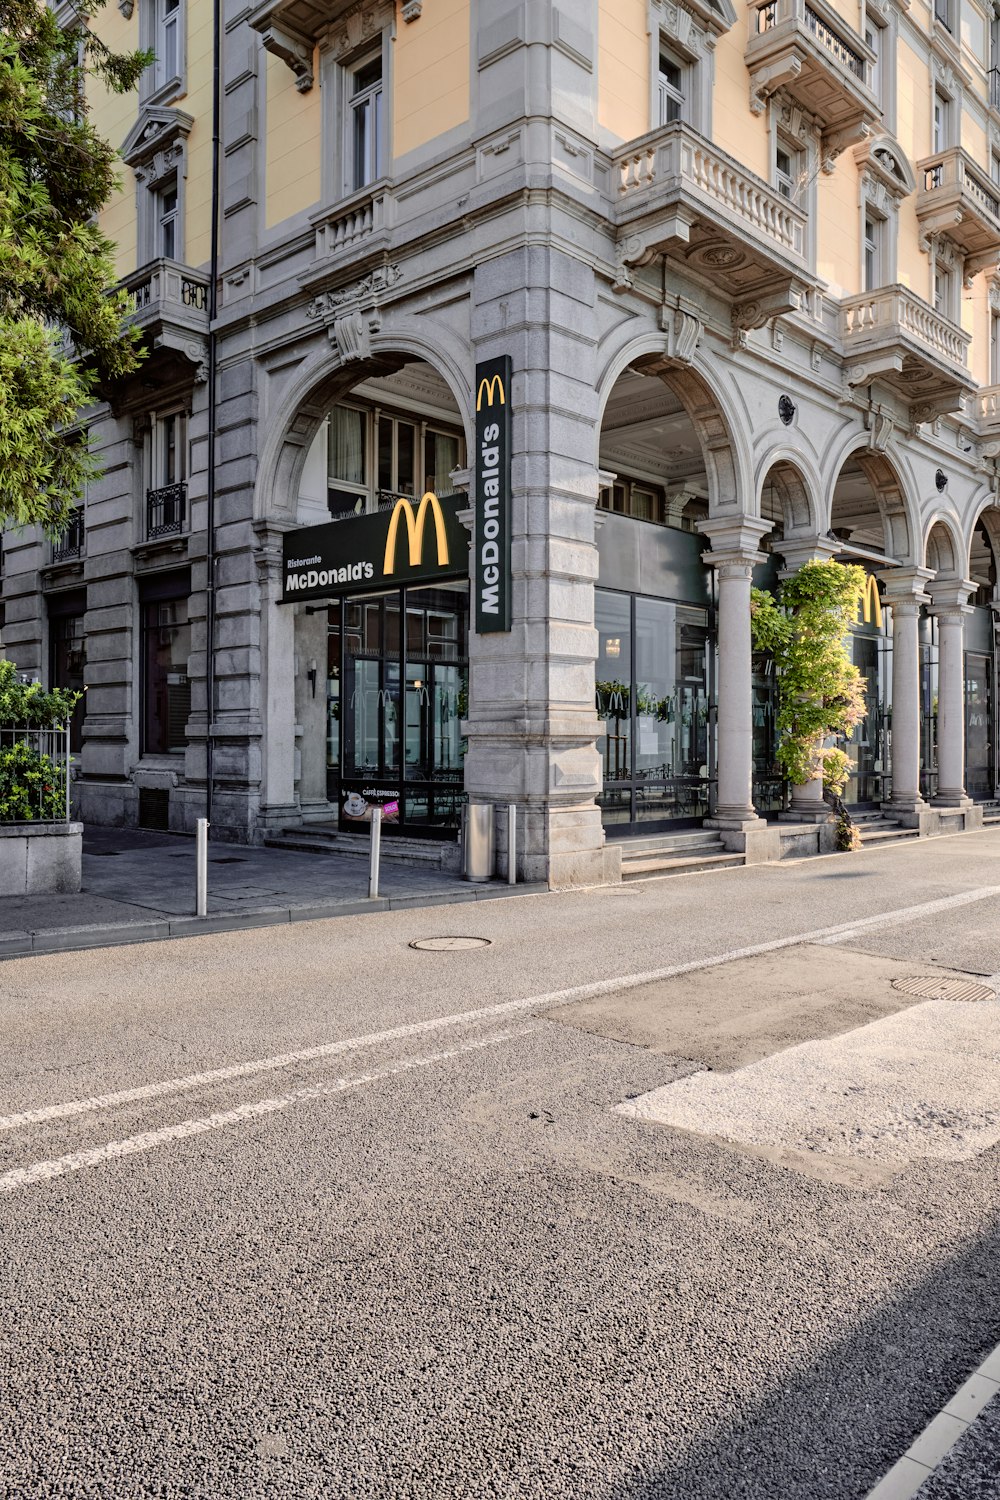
{"x":490,"y":385}
{"x":429,"y":505}
{"x":871,"y":604}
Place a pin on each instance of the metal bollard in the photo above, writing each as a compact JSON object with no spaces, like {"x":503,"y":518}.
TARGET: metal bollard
{"x":374,"y":853}
{"x":512,"y":843}
{"x":201,"y":869}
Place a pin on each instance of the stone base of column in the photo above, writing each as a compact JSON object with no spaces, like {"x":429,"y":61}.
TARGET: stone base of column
{"x":956,"y":798}
{"x":907,"y":809}
{"x":272,"y":817}
{"x":810,"y":814}
{"x":757,"y":840}
{"x":735,"y":818}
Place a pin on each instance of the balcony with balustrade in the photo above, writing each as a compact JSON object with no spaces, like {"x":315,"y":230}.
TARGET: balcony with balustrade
{"x":957,"y":197}
{"x":895,"y":337}
{"x":677,"y":193}
{"x":169,"y":303}
{"x":805,"y":48}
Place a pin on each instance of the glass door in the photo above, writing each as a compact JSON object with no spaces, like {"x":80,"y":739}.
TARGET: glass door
{"x":980,"y":780}
{"x":653,"y":698}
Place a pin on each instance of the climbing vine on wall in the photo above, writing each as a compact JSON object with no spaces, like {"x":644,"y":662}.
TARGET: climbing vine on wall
{"x":820,"y":691}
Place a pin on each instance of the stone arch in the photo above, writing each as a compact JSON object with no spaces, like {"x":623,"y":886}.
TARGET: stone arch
{"x":794,"y":490}
{"x":891,"y":495}
{"x":726,"y":451}
{"x":985,"y":513}
{"x":944,"y":546}
{"x":325,"y":377}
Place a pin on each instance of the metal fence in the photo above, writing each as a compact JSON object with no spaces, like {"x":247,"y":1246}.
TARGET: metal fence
{"x":34,"y":775}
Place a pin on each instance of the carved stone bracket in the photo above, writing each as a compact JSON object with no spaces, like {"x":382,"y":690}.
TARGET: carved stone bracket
{"x":766,"y":81}
{"x":684,"y":329}
{"x":758,"y":311}
{"x":880,"y":426}
{"x":352,"y":334}
{"x":293,"y":49}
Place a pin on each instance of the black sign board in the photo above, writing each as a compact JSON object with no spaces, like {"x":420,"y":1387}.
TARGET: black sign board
{"x":491,"y":574}
{"x":404,"y":542}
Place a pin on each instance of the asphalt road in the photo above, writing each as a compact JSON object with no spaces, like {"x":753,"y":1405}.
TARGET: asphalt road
{"x":305,"y":1212}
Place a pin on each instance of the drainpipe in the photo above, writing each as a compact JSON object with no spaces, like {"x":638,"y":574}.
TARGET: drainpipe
{"x":212,"y":312}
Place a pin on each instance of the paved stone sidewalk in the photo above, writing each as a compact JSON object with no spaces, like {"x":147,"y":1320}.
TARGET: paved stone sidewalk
{"x":140,"y":886}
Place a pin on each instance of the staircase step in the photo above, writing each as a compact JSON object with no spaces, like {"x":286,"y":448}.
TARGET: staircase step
{"x":356,"y":846}
{"x":637,"y":869}
{"x":888,"y":835}
{"x":694,"y":838}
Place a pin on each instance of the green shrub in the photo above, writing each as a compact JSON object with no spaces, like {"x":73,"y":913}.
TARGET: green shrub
{"x":32,"y":786}
{"x":29,"y":706}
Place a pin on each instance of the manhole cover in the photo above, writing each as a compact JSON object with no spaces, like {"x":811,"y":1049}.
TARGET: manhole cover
{"x":449,"y":944}
{"x":930,"y":988}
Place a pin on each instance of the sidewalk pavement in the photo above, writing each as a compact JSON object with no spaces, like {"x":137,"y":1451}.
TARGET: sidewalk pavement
{"x":140,"y":887}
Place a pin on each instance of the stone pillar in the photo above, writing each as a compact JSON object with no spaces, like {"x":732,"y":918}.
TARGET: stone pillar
{"x":734,"y":554}
{"x":277,"y":635}
{"x":807,"y":800}
{"x":949,"y":607}
{"x":903,"y":592}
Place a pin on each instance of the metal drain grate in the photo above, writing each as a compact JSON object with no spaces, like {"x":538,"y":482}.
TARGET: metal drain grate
{"x":449,"y":944}
{"x":931,"y":988}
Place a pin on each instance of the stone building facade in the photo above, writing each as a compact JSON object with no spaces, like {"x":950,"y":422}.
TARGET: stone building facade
{"x":745,"y":265}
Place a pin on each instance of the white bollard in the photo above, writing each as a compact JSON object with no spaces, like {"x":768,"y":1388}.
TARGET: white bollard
{"x":201,"y":869}
{"x":511,"y":843}
{"x":374,"y":853}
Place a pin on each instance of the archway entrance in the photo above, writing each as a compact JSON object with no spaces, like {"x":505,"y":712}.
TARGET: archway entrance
{"x":981,"y":758}
{"x":654,"y":614}
{"x":867,"y":519}
{"x":385,"y":630}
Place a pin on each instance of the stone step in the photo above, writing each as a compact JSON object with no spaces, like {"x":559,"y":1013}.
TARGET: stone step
{"x":891,"y":834}
{"x":424,"y":852}
{"x":668,"y":860}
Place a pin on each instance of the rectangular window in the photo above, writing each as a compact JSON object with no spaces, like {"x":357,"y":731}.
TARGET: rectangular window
{"x":365,"y":111}
{"x":995,"y":349}
{"x":672,"y":90}
{"x":944,"y":292}
{"x":873,"y":36}
{"x":873,"y":253}
{"x":166,"y":687}
{"x":943,"y":13}
{"x":68,"y":654}
{"x":441,"y":455}
{"x":166,"y":42}
{"x":786,"y":170}
{"x":995,"y":167}
{"x":167,"y":221}
{"x":942,"y":121}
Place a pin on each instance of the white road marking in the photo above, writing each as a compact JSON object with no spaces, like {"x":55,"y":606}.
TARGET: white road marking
{"x":150,"y":1140}
{"x":484,"y":1013}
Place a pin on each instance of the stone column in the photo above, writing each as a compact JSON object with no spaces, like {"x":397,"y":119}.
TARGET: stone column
{"x":949,"y":607}
{"x":277,"y":636}
{"x":904,"y":594}
{"x":735,"y":552}
{"x":807,"y":800}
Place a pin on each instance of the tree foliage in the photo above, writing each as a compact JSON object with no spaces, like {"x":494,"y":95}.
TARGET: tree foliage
{"x":820,"y":690}
{"x":61,"y":333}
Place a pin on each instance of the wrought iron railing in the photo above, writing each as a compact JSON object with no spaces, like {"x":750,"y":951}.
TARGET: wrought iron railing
{"x":166,"y":511}
{"x":835,"y":44}
{"x":69,"y":543}
{"x":34,"y":775}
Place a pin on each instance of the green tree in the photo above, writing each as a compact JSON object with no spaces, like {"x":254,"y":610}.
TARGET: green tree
{"x":820,"y":690}
{"x":61,"y":333}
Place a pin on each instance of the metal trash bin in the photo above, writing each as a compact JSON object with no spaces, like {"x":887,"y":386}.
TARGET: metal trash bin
{"x":479,"y":851}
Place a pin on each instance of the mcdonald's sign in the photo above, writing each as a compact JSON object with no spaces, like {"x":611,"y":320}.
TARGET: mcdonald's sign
{"x":871,"y":604}
{"x":367,"y":551}
{"x":429,"y":505}
{"x":492,"y":578}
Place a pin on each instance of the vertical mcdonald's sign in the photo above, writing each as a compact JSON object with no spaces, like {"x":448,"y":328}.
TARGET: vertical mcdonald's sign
{"x":491,"y":574}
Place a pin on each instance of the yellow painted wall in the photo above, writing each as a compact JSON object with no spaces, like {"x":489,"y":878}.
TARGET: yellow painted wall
{"x":838,"y":211}
{"x":976,"y":315}
{"x":975,"y":140}
{"x":292,"y":151}
{"x":734,"y":129}
{"x":623,"y":82}
{"x":113,"y":116}
{"x":430,"y":75}
{"x":198,"y":102}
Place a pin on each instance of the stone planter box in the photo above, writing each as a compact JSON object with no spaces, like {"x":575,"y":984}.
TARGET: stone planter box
{"x":40,"y":858}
